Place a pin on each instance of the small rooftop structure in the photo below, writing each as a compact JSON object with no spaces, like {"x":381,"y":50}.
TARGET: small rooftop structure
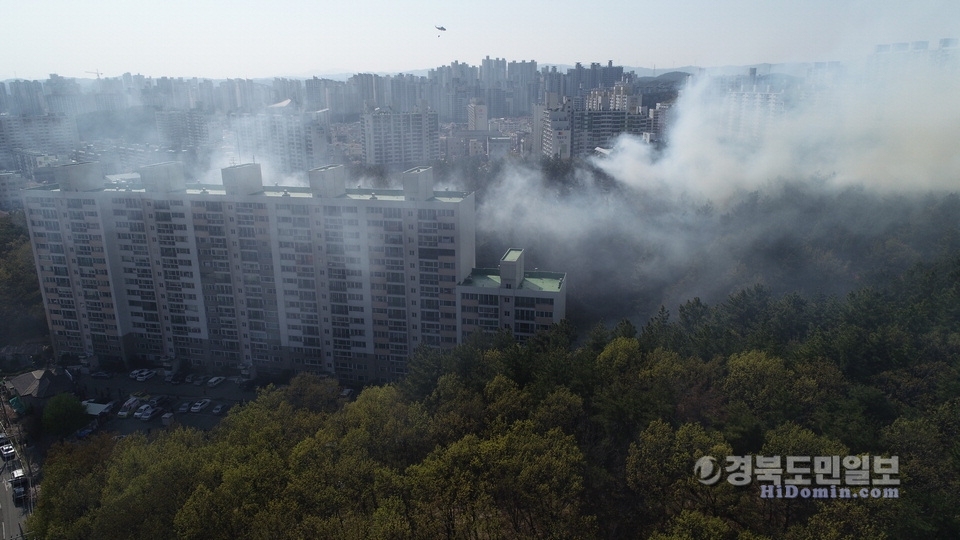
{"x":512,"y":275}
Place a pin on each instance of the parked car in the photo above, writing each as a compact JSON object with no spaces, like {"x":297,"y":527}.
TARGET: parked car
{"x":200,"y":405}
{"x":198,"y":380}
{"x":218,"y":409}
{"x":215,"y":381}
{"x":189,"y":379}
{"x":136,"y":373}
{"x":101,"y":375}
{"x":142,"y":410}
{"x":151,"y":414}
{"x":128,"y":407}
{"x":146,"y":375}
{"x":184,"y":407}
{"x":7,"y":451}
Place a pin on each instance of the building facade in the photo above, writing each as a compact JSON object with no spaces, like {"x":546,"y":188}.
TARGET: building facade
{"x":510,"y":298}
{"x":400,"y":139}
{"x":10,"y":185}
{"x":238,"y":275}
{"x":292,"y":141}
{"x":49,"y":134}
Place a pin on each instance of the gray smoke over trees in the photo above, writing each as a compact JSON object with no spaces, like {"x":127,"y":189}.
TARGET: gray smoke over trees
{"x":851,"y":180}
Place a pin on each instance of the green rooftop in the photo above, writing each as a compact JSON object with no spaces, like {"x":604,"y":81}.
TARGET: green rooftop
{"x":489,"y":278}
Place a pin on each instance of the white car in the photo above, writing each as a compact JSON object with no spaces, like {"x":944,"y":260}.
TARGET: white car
{"x":144,"y":409}
{"x":146,"y":374}
{"x":7,"y":451}
{"x":215,"y":381}
{"x":200,"y":405}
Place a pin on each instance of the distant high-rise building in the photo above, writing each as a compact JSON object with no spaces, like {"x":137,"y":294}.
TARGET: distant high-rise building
{"x":477,"y":116}
{"x":183,"y":129}
{"x":26,"y":98}
{"x":400,"y":139}
{"x":4,"y":99}
{"x":553,"y":131}
{"x":49,"y":134}
{"x":292,"y":141}
{"x":493,"y":73}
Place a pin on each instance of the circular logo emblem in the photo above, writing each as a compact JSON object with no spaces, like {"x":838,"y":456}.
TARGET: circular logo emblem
{"x":707,"y":470}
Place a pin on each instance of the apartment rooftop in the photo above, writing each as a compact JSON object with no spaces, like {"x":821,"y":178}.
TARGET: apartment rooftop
{"x":130,"y":186}
{"x":246,"y":180}
{"x":489,"y":278}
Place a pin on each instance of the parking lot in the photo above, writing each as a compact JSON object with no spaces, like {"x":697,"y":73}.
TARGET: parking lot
{"x":120,"y":387}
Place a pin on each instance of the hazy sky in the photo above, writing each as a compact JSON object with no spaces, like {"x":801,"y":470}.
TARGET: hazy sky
{"x":246,"y":39}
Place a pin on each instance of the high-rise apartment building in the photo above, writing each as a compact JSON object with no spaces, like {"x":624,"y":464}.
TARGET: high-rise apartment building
{"x":183,"y":129}
{"x":319,"y":278}
{"x":292,"y":141}
{"x":477,"y":116}
{"x":400,"y":139}
{"x":48,"y":134}
{"x":553,"y":131}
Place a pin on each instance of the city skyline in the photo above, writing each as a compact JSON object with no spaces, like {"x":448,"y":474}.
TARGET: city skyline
{"x":296,"y":39}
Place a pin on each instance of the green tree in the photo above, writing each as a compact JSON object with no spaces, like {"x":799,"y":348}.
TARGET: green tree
{"x":73,"y":479}
{"x":516,"y":484}
{"x":660,"y":466}
{"x":63,"y":414}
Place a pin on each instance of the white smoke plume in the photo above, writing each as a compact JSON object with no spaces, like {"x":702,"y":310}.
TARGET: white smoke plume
{"x":849,"y":157}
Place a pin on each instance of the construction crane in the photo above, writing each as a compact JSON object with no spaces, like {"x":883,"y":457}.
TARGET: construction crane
{"x":97,"y":73}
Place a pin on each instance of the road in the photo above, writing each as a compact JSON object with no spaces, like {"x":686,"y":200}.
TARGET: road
{"x":13,"y":514}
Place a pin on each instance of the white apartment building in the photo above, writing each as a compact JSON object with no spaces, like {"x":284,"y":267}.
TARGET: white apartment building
{"x":293,"y":142}
{"x":239,"y":275}
{"x":400,"y":139}
{"x":50,"y":134}
{"x":511,"y":298}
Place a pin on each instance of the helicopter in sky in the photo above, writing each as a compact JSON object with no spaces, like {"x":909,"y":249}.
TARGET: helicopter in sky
{"x":440,"y":28}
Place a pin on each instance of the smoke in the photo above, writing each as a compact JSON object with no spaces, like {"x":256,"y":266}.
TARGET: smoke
{"x":815,"y":194}
{"x":890,"y":130}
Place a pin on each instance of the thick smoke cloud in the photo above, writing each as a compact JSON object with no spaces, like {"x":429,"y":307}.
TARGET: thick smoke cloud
{"x":845,"y":182}
{"x":886,"y":129}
